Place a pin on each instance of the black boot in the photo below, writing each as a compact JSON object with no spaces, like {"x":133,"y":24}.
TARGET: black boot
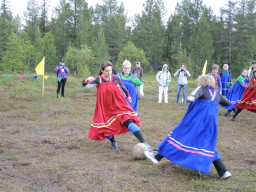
{"x":113,"y":143}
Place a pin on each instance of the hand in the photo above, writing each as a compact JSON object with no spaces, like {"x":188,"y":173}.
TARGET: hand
{"x":141,"y":94}
{"x":190,"y":98}
{"x":89,"y":79}
{"x":129,"y":99}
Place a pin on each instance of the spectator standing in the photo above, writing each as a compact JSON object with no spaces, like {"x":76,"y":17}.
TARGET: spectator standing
{"x":183,"y":75}
{"x":61,"y":71}
{"x":164,"y":79}
{"x":139,"y":71}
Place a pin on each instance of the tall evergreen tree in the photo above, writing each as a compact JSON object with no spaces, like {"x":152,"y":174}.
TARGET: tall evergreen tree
{"x":229,"y":15}
{"x":6,"y":26}
{"x":201,"y":45}
{"x":44,"y":28}
{"x":12,"y":60}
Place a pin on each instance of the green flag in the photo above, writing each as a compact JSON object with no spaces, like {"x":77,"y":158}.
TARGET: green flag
{"x":59,"y":79}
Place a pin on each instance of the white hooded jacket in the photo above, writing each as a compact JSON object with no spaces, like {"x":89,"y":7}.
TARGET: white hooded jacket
{"x":163,"y":77}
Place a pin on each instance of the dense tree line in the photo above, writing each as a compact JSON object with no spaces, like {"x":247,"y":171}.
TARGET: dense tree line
{"x":85,"y":36}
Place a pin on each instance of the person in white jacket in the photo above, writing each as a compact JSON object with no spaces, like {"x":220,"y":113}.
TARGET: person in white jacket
{"x":183,"y":75}
{"x":163,"y":78}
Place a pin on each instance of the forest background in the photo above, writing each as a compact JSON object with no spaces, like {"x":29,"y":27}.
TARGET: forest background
{"x":84,"y":36}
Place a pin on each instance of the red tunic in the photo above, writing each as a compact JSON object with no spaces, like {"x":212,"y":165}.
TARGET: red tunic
{"x":248,"y":100}
{"x":111,"y":111}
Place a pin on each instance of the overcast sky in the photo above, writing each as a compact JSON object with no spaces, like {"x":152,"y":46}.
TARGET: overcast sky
{"x":132,"y":7}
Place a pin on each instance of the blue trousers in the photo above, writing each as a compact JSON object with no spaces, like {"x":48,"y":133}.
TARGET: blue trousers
{"x":184,"y":87}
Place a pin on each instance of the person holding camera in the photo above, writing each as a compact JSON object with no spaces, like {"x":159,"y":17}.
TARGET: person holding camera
{"x":183,"y":75}
{"x":61,"y":71}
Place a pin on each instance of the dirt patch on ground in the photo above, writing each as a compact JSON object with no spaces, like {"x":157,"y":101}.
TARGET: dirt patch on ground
{"x":44,"y":147}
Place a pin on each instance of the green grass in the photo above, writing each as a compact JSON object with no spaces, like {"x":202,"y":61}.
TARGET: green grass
{"x":44,"y":145}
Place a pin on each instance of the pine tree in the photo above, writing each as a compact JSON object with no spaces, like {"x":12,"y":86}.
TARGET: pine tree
{"x":201,"y":45}
{"x":6,"y":26}
{"x":12,"y":60}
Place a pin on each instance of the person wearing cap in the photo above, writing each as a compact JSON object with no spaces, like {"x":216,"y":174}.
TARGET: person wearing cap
{"x":61,"y":71}
{"x":251,"y":71}
{"x":164,"y":79}
{"x":139,"y":71}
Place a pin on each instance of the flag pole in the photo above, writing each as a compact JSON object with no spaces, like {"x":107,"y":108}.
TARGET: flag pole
{"x":43,"y":79}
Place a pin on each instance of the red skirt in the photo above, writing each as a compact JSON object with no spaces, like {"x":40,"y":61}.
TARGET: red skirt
{"x":111,"y":111}
{"x":248,"y":100}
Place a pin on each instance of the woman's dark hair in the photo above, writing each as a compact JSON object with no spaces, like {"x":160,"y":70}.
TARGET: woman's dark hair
{"x":103,"y":65}
{"x":184,"y":65}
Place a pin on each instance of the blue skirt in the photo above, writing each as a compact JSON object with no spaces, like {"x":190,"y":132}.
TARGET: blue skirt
{"x":234,"y":95}
{"x":193,"y":142}
{"x":130,"y":86}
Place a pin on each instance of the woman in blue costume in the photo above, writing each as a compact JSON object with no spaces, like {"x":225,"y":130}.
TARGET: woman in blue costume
{"x":130,"y":81}
{"x":225,"y":76}
{"x":192,"y":143}
{"x":236,"y":92}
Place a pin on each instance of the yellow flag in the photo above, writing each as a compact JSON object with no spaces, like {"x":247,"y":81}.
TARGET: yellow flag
{"x":204,"y":69}
{"x":40,"y":67}
{"x":46,"y":77}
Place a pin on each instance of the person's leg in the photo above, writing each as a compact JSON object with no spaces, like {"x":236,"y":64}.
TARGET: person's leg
{"x":160,"y":95}
{"x":138,"y":92}
{"x":153,"y":156}
{"x":178,"y":93}
{"x":58,"y":89}
{"x":236,"y":113}
{"x":227,"y":114}
{"x":113,"y":142}
{"x":63,"y":80}
{"x":136,"y":131}
{"x":166,"y":94}
{"x":221,"y":169}
{"x":185,"y":93}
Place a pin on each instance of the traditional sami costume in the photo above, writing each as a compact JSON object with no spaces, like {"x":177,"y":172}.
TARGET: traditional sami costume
{"x":226,"y":82}
{"x":130,"y":82}
{"x":248,"y":101}
{"x":111,"y":110}
{"x":193,"y":142}
{"x":217,"y":80}
{"x":236,"y":92}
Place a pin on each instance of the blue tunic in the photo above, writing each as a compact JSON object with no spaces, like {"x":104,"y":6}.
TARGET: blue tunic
{"x":235,"y":94}
{"x":130,"y":86}
{"x":193,"y":142}
{"x":226,"y":82}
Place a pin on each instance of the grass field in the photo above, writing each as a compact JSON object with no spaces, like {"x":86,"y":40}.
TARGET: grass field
{"x":44,"y":145}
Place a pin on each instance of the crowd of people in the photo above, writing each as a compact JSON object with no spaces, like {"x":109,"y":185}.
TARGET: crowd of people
{"x":192,"y":143}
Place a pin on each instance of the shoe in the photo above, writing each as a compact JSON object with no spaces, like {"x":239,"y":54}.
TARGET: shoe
{"x":227,"y":115}
{"x":232,"y":118}
{"x":151,"y":157}
{"x":226,"y":175}
{"x":149,"y":147}
{"x":114,"y":145}
{"x":166,"y":102}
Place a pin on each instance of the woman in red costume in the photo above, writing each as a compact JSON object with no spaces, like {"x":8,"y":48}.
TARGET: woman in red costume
{"x":248,"y":100}
{"x":113,"y":115}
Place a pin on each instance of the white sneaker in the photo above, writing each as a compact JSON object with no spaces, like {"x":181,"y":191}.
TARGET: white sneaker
{"x":151,"y":157}
{"x":226,"y":175}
